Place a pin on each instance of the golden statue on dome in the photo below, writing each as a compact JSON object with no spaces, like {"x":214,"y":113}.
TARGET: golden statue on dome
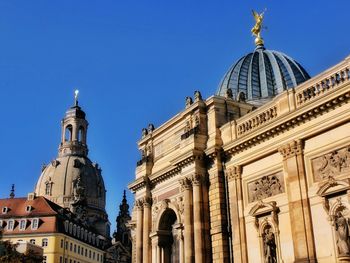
{"x":256,"y":30}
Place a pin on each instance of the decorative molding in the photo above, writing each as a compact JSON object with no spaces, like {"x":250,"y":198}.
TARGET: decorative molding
{"x":332,"y":164}
{"x":197,"y":179}
{"x":234,"y":173}
{"x":185,"y":183}
{"x":147,"y":202}
{"x":139,"y":204}
{"x":288,"y":124}
{"x":262,"y":209}
{"x":291,"y":149}
{"x":266,"y":186}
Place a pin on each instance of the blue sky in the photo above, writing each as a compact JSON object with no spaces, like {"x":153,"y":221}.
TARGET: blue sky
{"x":134,"y":62}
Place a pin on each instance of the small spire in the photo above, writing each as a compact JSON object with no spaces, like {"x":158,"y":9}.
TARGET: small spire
{"x":124,"y":195}
{"x":12,"y":194}
{"x":76,"y":92}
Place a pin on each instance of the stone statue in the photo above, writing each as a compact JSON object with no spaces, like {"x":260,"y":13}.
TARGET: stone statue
{"x":150,"y":128}
{"x":270,"y":255}
{"x":189,"y":101}
{"x":144,"y":132}
{"x":197,"y":95}
{"x":342,"y":230}
{"x":229,"y":93}
{"x":78,"y":189}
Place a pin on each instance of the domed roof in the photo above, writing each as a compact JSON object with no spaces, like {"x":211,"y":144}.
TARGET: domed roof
{"x":262,"y":74}
{"x":70,"y":179}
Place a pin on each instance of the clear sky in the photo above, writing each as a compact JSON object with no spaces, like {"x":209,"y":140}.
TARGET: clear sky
{"x":134,"y":62}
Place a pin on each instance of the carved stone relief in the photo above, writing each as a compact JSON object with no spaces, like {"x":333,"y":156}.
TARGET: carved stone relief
{"x":331,"y":164}
{"x":266,"y":186}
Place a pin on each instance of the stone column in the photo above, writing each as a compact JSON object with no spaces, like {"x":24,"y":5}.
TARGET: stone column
{"x":239,"y":242}
{"x":197,"y":218}
{"x":186,"y":187}
{"x":155,"y":247}
{"x":147,"y":203}
{"x":139,"y":230}
{"x":298,"y":202}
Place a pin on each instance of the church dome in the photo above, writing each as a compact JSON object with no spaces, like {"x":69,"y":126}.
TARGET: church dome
{"x":71,"y":180}
{"x":262,"y":74}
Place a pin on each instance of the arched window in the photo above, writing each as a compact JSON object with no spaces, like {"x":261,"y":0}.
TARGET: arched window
{"x":68,"y":133}
{"x":81,"y":134}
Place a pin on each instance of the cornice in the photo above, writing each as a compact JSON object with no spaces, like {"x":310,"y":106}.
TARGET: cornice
{"x":286,"y":122}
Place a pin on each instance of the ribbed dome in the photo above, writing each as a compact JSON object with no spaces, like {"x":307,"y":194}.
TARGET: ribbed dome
{"x":262,"y":74}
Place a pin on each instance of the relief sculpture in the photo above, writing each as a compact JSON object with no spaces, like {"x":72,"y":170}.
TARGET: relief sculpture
{"x":331,"y":164}
{"x":266,"y":186}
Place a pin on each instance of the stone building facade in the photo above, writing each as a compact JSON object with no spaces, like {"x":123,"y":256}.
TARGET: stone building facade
{"x":258,"y":172}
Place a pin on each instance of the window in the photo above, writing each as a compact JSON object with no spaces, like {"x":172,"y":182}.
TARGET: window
{"x":78,"y":249}
{"x":61,"y":259}
{"x":10,"y":225}
{"x":48,"y":188}
{"x":32,"y":241}
{"x":29,"y":208}
{"x":66,"y":246}
{"x":22,"y":224}
{"x":98,"y":257}
{"x":75,"y":248}
{"x":65,"y":260}
{"x":89,"y":253}
{"x":93,"y":256}
{"x":70,"y":246}
{"x":44,"y":259}
{"x":35,"y":223}
{"x":61,"y":243}
{"x":5,"y":210}
{"x":85,"y":252}
{"x":44,"y":242}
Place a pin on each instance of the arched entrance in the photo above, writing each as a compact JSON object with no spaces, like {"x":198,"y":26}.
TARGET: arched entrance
{"x":168,"y":237}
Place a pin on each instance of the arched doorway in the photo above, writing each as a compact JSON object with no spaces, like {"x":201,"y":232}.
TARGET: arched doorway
{"x":168,"y":239}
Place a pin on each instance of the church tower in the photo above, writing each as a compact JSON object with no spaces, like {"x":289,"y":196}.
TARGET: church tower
{"x":72,"y":180}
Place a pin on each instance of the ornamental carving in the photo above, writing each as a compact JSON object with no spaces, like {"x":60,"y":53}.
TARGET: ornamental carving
{"x":291,"y":149}
{"x":266,"y":186}
{"x":234,"y":173}
{"x":331,"y":164}
{"x":185,"y":183}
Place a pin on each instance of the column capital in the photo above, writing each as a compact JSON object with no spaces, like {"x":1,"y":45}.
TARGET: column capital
{"x":234,"y":173}
{"x":185,"y":183}
{"x":147,"y":201}
{"x":197,"y":179}
{"x":291,"y":149}
{"x":139,"y":204}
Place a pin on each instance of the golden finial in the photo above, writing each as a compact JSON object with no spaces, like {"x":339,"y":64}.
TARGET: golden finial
{"x":76,"y":92}
{"x":256,"y":30}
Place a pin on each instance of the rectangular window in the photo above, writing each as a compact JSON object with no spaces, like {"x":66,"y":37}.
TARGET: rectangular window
{"x":66,"y":246}
{"x":85,"y":252}
{"x":61,"y":259}
{"x":44,"y":242}
{"x":89,"y":253}
{"x":10,"y":225}
{"x":61,"y":243}
{"x":32,"y":241}
{"x":98,"y":257}
{"x":70,"y":246}
{"x":35,"y":223}
{"x":65,"y":260}
{"x":78,"y":249}
{"x":75,"y":248}
{"x":44,"y":259}
{"x":93,"y":256}
{"x":22,"y":224}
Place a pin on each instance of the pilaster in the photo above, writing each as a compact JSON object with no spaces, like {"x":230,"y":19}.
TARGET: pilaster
{"x":139,"y":230}
{"x":239,"y":241}
{"x":298,"y":202}
{"x":186,"y":187}
{"x":147,"y":220}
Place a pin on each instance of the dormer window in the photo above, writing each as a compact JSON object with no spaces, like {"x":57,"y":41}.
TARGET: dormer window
{"x":10,"y":224}
{"x":29,"y":208}
{"x":22,"y":224}
{"x":35,"y":223}
{"x":48,"y":188}
{"x":5,"y":210}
